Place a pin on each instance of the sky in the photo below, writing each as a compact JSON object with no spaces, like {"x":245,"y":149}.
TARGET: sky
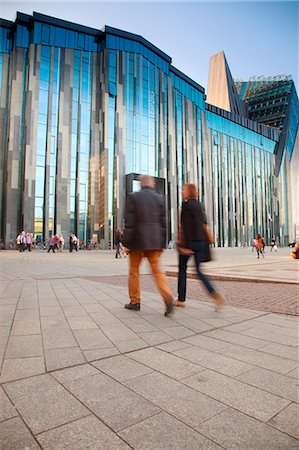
{"x":258,"y":38}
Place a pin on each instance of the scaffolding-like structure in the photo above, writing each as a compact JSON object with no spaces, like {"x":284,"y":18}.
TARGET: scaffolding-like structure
{"x":266,"y":98}
{"x":261,"y":86}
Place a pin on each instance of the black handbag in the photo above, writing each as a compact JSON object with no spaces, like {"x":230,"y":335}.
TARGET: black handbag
{"x":205,"y":254}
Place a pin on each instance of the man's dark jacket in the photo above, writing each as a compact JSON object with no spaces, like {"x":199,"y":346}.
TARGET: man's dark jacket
{"x":145,"y":221}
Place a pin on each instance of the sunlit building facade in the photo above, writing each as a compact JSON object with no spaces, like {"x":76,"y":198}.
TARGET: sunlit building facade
{"x":83,"y":112}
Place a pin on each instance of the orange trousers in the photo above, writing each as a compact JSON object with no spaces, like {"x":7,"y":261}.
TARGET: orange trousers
{"x":153,"y":257}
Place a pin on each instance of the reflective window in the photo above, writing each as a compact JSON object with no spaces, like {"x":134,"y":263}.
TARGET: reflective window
{"x":5,"y":40}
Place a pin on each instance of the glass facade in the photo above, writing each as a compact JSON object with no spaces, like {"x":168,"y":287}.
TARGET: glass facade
{"x":41,"y":148}
{"x":97,"y":106}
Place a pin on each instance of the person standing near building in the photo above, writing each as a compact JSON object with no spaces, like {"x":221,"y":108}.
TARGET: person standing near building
{"x":254,"y":242}
{"x":117,"y":242}
{"x":145,"y":236}
{"x":22,"y":241}
{"x":194,"y":239}
{"x":273,"y":245}
{"x":51,"y":244}
{"x":71,"y":242}
{"x":28,"y":241}
{"x":295,"y":251}
{"x":75,"y":242}
{"x":260,"y":245}
{"x":61,"y":242}
{"x":18,"y":241}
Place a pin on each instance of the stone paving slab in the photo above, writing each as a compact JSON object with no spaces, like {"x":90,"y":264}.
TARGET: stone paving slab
{"x":116,"y":405}
{"x":280,"y":350}
{"x":92,"y":339}
{"x":93,"y":355}
{"x":86,"y":433}
{"x":15,"y":369}
{"x":167,"y":364}
{"x":269,"y":336}
{"x":37,"y":395}
{"x":24,"y":346}
{"x":215,"y":361}
{"x":7,"y":410}
{"x":59,"y":358}
{"x":122,"y":368}
{"x":206,"y":342}
{"x":59,"y":338}
{"x":287,"y":420}
{"x":260,"y":359}
{"x":15,"y":435}
{"x":243,"y":397}
{"x":272,"y":382}
{"x":234,"y":431}
{"x":164,"y":432}
{"x":155,"y":337}
{"x":294,"y":373}
{"x":180,"y":401}
{"x":234,"y":338}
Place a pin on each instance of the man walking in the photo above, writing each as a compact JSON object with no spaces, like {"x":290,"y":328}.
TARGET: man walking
{"x":145,"y":236}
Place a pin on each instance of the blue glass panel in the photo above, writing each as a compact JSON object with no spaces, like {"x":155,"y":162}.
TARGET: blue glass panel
{"x":5,"y":42}
{"x":81,"y":41}
{"x":72,"y":39}
{"x":22,"y":36}
{"x":60,"y":37}
{"x":43,"y":102}
{"x":45,"y":34}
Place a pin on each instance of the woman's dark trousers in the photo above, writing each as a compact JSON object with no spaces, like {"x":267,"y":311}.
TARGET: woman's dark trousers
{"x":183,"y":260}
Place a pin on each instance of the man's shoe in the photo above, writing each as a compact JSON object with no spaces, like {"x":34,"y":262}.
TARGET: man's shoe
{"x":169,"y":308}
{"x":133,"y":306}
{"x":180,"y":303}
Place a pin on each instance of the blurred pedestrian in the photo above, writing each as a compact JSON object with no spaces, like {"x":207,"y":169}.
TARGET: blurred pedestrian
{"x":195,"y":238}
{"x":28,"y":241}
{"x":260,"y":246}
{"x":51,"y":244}
{"x":61,"y":242}
{"x":145,"y":236}
{"x":295,"y":251}
{"x":56,"y":241}
{"x":73,"y":242}
{"x":22,"y":241}
{"x":18,"y":241}
{"x":273,"y":245}
{"x":254,"y":242}
{"x":117,"y":242}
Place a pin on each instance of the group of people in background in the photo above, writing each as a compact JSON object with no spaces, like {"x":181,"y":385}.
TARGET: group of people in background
{"x":258,"y":244}
{"x":56,"y":243}
{"x":25,"y":241}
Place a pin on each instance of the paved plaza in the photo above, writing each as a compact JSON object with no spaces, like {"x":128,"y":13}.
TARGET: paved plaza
{"x":79,"y":371}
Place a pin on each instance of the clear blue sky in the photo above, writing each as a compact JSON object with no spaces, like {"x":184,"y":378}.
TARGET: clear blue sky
{"x":259,"y":38}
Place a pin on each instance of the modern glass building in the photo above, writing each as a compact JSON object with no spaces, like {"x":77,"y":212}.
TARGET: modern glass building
{"x":83,"y":112}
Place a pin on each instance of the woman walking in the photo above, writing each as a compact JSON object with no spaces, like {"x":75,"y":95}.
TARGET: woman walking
{"x":195,"y":237}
